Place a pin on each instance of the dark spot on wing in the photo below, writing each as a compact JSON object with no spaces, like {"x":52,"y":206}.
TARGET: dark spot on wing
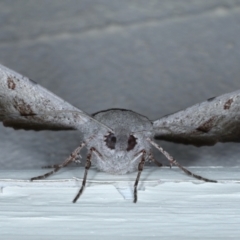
{"x":211,"y":99}
{"x":228,"y":104}
{"x":206,"y":126}
{"x":22,"y":107}
{"x":11,"y":84}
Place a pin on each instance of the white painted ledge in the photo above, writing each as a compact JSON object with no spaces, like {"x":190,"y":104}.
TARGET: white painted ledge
{"x":171,"y":205}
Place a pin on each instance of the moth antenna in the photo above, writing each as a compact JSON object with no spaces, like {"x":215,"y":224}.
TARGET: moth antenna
{"x":87,"y":166}
{"x":55,"y":112}
{"x":174,"y":162}
{"x":70,"y":159}
{"x":140,"y":168}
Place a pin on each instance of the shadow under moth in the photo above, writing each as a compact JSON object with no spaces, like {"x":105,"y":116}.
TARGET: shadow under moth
{"x":118,"y":141}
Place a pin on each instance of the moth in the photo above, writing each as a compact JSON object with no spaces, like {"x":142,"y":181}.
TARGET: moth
{"x":118,"y":140}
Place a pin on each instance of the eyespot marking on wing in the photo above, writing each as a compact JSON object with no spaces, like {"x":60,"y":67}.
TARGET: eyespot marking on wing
{"x":206,"y":126}
{"x":228,"y":104}
{"x":10,"y":83}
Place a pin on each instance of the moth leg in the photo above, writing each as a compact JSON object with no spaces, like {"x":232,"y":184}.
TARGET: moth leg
{"x":159,"y":164}
{"x":174,"y":162}
{"x":98,"y":154}
{"x":59,"y":165}
{"x":140,"y":168}
{"x":70,"y":159}
{"x":87,"y":166}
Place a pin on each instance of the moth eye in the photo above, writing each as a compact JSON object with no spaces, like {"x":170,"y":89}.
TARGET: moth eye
{"x":111,"y":140}
{"x":131,"y":142}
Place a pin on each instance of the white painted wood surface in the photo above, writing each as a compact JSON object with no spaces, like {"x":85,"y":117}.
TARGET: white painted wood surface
{"x":171,"y":205}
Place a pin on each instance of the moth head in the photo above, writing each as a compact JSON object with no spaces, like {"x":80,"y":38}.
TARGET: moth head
{"x":120,"y":146}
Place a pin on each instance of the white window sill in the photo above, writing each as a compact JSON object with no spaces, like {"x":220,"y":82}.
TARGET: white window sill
{"x":171,"y":204}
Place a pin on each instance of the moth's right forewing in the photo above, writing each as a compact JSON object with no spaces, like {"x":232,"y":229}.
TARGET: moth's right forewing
{"x":25,"y":105}
{"x":206,"y":123}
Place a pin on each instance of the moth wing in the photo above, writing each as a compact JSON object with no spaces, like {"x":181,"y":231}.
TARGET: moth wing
{"x":24,"y":104}
{"x":206,"y":123}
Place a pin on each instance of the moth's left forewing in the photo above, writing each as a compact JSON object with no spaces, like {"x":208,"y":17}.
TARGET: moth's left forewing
{"x":25,"y":104}
{"x":212,"y":121}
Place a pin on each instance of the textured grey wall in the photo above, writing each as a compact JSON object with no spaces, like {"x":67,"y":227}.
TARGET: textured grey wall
{"x":154,"y":57}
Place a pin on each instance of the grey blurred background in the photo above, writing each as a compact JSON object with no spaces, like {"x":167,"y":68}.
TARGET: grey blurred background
{"x":154,"y":57}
